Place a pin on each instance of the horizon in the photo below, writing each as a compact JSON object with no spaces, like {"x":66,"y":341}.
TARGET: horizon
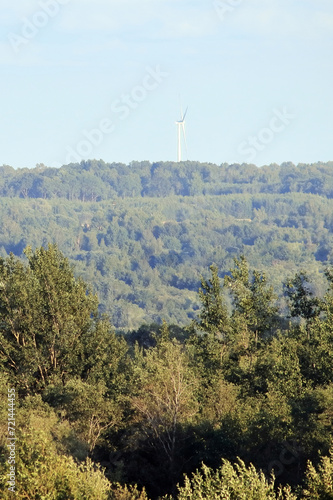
{"x":41,"y":167}
{"x":221,"y":165}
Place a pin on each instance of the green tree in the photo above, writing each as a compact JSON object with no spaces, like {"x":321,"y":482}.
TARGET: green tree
{"x":213,"y":317}
{"x":301,"y":299}
{"x":43,"y":470}
{"x":88,"y":407}
{"x":231,"y":482}
{"x":47,"y":317}
{"x":253,"y":299}
{"x":164,"y":401}
{"x":319,"y":481}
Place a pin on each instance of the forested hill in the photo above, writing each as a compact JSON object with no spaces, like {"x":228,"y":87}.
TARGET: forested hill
{"x":143,"y":234}
{"x":96,"y":180}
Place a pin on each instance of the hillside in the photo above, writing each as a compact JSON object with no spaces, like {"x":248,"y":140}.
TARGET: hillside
{"x":142,"y":234}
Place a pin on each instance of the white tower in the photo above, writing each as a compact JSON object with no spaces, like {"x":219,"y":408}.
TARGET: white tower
{"x":181,"y":126}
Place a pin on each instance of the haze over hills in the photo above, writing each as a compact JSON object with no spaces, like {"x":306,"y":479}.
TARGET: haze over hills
{"x":142,"y":234}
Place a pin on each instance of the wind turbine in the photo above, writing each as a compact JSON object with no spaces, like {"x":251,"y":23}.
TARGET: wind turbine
{"x":181,"y":126}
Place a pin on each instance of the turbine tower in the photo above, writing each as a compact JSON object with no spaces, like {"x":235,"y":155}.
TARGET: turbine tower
{"x":181,"y":126}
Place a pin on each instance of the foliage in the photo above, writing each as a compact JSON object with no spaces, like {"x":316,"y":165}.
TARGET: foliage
{"x":230,"y":482}
{"x":164,"y":404}
{"x":87,"y":407}
{"x":43,"y":473}
{"x":213,"y":317}
{"x":319,"y":481}
{"x":252,"y":298}
{"x":302,"y":302}
{"x":119,"y":492}
{"x":47,"y":316}
{"x":143,"y":234}
{"x":95,"y":180}
{"x":250,"y":377}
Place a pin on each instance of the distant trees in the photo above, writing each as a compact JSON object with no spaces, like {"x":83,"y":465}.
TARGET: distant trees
{"x":163,"y":224}
{"x":93,"y":180}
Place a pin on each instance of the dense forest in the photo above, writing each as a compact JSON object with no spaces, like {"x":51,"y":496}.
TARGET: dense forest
{"x":237,"y":405}
{"x":142,"y":234}
{"x":167,"y":330}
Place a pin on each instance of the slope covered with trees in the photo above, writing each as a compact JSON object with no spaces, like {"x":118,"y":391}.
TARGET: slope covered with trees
{"x":102,"y":416}
{"x":143,"y":234}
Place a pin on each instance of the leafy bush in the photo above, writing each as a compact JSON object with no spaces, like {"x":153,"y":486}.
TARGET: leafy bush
{"x":231,"y":482}
{"x":319,"y":482}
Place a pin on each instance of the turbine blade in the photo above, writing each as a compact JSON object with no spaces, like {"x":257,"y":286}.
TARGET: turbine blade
{"x":183,"y":118}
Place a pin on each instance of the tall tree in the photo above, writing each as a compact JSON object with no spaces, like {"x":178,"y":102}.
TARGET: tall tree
{"x":253,"y":299}
{"x":46,"y":315}
{"x":213,"y":317}
{"x":165,"y":403}
{"x":302,"y":303}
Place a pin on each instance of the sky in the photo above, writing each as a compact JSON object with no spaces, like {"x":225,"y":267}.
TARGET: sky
{"x":108,"y":79}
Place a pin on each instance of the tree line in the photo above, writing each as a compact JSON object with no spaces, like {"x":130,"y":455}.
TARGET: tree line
{"x":92,"y":180}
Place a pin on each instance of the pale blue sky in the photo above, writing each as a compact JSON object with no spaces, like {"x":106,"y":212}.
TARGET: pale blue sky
{"x":256,"y":76}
